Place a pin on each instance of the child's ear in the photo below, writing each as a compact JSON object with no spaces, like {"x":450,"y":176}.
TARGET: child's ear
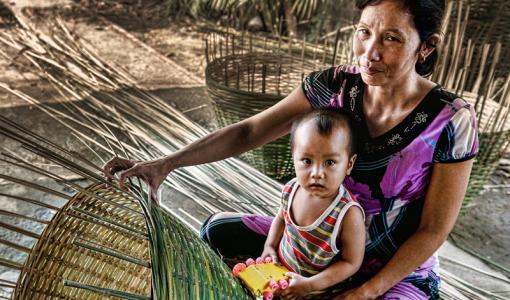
{"x":350,"y":165}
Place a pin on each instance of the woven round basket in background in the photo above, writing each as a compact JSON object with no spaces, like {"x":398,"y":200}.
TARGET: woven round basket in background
{"x":244,"y":85}
{"x":247,"y":74}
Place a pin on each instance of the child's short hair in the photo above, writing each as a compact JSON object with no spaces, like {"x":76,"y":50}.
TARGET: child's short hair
{"x":326,"y":119}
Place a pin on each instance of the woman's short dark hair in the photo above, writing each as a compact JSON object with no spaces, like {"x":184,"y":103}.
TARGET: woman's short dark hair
{"x":427,"y":17}
{"x":325,"y":120}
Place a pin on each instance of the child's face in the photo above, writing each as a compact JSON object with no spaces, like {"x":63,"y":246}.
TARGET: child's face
{"x":321,"y":162}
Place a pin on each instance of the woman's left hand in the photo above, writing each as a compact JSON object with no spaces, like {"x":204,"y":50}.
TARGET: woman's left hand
{"x":298,"y":287}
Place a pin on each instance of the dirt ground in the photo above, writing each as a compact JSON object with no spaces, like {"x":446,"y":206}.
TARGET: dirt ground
{"x":484,"y":228}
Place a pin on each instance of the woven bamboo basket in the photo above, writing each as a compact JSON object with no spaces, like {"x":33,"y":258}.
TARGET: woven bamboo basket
{"x":330,"y":50}
{"x":474,"y":69}
{"x":90,"y":245}
{"x":488,"y":23}
{"x":247,"y":74}
{"x":244,"y":85}
{"x":494,"y":139}
{"x":101,"y":244}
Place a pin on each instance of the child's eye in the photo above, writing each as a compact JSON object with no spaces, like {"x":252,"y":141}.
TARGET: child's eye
{"x":329,"y":162}
{"x":306,"y":161}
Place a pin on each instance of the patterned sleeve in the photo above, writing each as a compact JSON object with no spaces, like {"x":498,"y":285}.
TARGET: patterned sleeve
{"x":459,"y":139}
{"x":324,"y":88}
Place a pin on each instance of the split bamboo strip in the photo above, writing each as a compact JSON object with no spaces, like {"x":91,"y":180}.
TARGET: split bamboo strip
{"x":104,"y":291}
{"x":15,"y":246}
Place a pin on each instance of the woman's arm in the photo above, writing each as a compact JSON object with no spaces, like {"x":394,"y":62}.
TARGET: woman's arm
{"x":441,"y":208}
{"x":248,"y":134}
{"x":223,"y":143}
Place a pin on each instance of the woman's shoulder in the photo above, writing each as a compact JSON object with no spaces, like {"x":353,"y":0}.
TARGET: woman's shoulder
{"x":324,"y":86}
{"x":459,"y":138}
{"x":454,"y":101}
{"x":461,"y":111}
{"x":332,"y":74}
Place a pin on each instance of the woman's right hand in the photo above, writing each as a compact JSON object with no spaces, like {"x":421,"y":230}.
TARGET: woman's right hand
{"x":152,"y":172}
{"x":269,"y":251}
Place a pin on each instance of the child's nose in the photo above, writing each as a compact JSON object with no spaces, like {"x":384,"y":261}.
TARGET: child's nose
{"x":317,"y":171}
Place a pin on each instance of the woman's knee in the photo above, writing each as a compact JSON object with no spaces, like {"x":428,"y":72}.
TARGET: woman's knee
{"x":212,"y":228}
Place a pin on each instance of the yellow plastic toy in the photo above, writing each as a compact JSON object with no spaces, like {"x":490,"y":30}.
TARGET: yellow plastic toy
{"x":261,"y":276}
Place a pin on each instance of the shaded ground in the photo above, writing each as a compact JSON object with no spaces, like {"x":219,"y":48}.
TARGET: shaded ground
{"x":485,"y":226}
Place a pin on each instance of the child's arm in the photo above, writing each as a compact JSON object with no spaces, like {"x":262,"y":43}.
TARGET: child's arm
{"x":274,"y":236}
{"x":352,"y":239}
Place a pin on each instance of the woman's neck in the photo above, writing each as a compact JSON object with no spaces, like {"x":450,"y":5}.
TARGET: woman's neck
{"x":397,"y":96}
{"x":386,"y":106}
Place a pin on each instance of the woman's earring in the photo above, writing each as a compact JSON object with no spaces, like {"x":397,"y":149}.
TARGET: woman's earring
{"x":422,"y":58}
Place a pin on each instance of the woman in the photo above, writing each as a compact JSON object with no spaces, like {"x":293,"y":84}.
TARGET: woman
{"x":416,"y":150}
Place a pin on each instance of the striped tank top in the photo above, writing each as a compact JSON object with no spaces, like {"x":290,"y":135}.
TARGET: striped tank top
{"x":307,"y":250}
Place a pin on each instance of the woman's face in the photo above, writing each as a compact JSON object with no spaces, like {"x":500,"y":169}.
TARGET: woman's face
{"x":386,"y":43}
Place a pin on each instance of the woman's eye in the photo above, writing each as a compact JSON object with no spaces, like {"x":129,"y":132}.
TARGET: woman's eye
{"x":392,"y":39}
{"x":362,"y":31}
{"x":329,"y":162}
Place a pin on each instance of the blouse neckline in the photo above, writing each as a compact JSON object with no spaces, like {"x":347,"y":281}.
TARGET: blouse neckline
{"x":400,"y":135}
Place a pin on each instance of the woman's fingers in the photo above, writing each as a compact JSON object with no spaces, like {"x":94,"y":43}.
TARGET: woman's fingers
{"x":154,"y":193}
{"x":132,"y":171}
{"x":151,"y":172}
{"x":115,"y":165}
{"x":109,"y":167}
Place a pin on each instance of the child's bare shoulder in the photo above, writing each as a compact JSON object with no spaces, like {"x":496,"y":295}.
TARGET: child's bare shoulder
{"x":354,"y":215}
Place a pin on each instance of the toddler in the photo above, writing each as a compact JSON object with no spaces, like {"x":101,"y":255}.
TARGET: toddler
{"x":319,"y":232}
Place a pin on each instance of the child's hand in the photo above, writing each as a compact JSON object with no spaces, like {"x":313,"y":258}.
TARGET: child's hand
{"x":269,"y":251}
{"x":298,"y":287}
